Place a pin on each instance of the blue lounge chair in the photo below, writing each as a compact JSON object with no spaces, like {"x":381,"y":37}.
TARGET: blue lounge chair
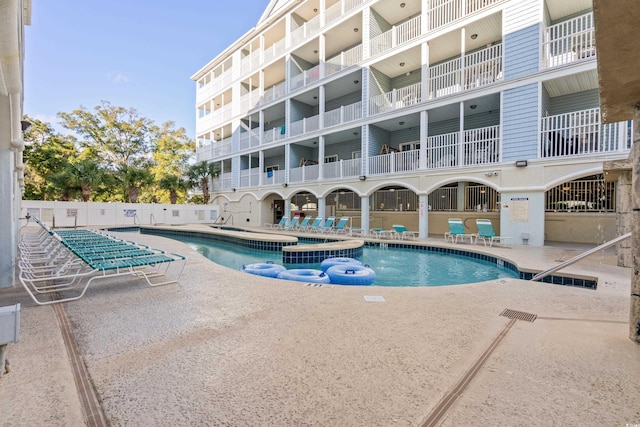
{"x":487,"y":234}
{"x":402,"y":232}
{"x":291,"y":225}
{"x":304,"y":223}
{"x":456,"y":229}
{"x":281,"y":224}
{"x":326,"y":227}
{"x":341,"y":226}
{"x":315,"y":225}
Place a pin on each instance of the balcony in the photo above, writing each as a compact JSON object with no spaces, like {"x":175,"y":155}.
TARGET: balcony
{"x":305,"y":31}
{"x":443,"y":12}
{"x":304,"y":78}
{"x":581,"y":132}
{"x":214,"y":150}
{"x":248,"y":139}
{"x":569,"y":41}
{"x":343,"y":169}
{"x":306,"y":125}
{"x":304,"y":173}
{"x":344,"y":114}
{"x":275,"y":134}
{"x":274,"y":178}
{"x":339,"y":9}
{"x":394,"y":162}
{"x":274,"y":92}
{"x":481,"y":146}
{"x":249,"y":177}
{"x":396,"y":36}
{"x":344,"y":60}
{"x":396,"y":99}
{"x":481,"y":68}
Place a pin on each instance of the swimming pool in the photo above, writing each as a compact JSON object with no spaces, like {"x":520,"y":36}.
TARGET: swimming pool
{"x":393,"y":266}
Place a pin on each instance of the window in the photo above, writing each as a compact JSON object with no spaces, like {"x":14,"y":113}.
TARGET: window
{"x":409,"y":146}
{"x":589,"y":194}
{"x":356,"y":154}
{"x":271,"y":168}
{"x":175,"y":213}
{"x":331,"y":159}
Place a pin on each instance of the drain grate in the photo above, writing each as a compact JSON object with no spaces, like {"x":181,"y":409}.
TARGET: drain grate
{"x":518,"y":315}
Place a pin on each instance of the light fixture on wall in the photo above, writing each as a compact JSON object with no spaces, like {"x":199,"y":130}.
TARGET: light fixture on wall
{"x":473,"y":106}
{"x":285,"y":184}
{"x":521,"y":163}
{"x":494,"y":173}
{"x":474,"y":36}
{"x":233,"y":190}
{"x":356,"y":81}
{"x":401,"y":123}
{"x":363,"y":178}
{"x":355,"y":30}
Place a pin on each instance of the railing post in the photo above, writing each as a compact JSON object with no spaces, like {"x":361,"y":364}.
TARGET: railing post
{"x":394,"y":37}
{"x":394,"y":96}
{"x":392,"y":162}
{"x":340,"y":167}
{"x":342,"y":119}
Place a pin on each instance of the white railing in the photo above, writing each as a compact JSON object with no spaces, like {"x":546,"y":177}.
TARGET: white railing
{"x":306,"y":125}
{"x":442,"y":12}
{"x":344,"y":60}
{"x":483,"y":67}
{"x":569,"y":41}
{"x":305,"y":77}
{"x":442,"y":150}
{"x":274,"y":92}
{"x":204,"y":92}
{"x":397,"y":98}
{"x":249,"y":177}
{"x":204,"y":123}
{"x":396,"y":35}
{"x":222,"y":182}
{"x":307,"y":29}
{"x":275,"y":134}
{"x":274,"y":50}
{"x":481,"y":145}
{"x":344,"y":114}
{"x":248,"y":139}
{"x":273,"y":177}
{"x":250,"y":62}
{"x":336,"y":11}
{"x":304,"y":173}
{"x":394,"y":162}
{"x":249,"y":100}
{"x":444,"y":79}
{"x":342,"y":169}
{"x":581,"y":132}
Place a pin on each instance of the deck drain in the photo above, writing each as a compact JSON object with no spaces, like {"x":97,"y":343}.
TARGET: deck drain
{"x":518,"y":315}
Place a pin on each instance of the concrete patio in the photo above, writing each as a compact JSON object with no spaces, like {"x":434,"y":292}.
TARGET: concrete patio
{"x":225,"y":348}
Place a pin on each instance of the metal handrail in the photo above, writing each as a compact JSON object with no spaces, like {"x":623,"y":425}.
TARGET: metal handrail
{"x":152,"y":220}
{"x":579,"y":257}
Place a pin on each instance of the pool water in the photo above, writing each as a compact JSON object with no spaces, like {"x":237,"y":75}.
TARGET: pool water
{"x":393,"y":266}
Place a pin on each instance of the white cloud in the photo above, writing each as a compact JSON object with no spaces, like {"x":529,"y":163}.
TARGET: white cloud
{"x":118,"y":77}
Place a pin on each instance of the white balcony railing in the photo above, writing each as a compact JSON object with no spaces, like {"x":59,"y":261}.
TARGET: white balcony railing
{"x":249,"y":177}
{"x":344,"y":60}
{"x":249,"y":100}
{"x":342,"y":169}
{"x":340,"y":8}
{"x":442,"y":150}
{"x":480,"y":69}
{"x":344,"y":114}
{"x":304,"y":78}
{"x":274,"y":92}
{"x":442,"y":12}
{"x":481,"y":146}
{"x":395,"y":162}
{"x":395,"y":36}
{"x":307,"y":29}
{"x":306,"y":125}
{"x":304,"y":173}
{"x":274,"y":50}
{"x":248,"y":139}
{"x":581,"y":132}
{"x":275,"y":134}
{"x":397,"y":98}
{"x":273,"y":177}
{"x":569,"y":41}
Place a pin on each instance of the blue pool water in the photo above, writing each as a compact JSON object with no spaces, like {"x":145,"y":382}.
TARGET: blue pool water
{"x":393,"y":266}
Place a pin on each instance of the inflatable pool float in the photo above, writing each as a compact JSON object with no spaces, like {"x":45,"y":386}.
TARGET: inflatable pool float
{"x":331,"y":261}
{"x":308,"y":275}
{"x":351,"y":274}
{"x":266,"y":269}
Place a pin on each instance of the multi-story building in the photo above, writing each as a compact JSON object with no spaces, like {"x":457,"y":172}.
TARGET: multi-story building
{"x":412,"y":112}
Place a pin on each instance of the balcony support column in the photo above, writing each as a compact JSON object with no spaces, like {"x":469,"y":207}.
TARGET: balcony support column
{"x":322,"y":207}
{"x":424,"y":139}
{"x":460,"y":157}
{"x":424,"y":89}
{"x":321,"y":158}
{"x":260,"y":168}
{"x":423,"y":216}
{"x":364,"y":214}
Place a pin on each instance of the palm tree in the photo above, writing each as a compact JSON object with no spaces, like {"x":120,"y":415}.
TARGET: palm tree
{"x":173,"y":184}
{"x":133,"y":179}
{"x":199,"y":175}
{"x":86,"y":175}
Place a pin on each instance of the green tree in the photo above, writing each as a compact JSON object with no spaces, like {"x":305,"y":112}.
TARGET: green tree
{"x":174,"y":185}
{"x":86,"y":175}
{"x":119,"y":136}
{"x":199,"y":175}
{"x":133,"y":180}
{"x":46,"y":153}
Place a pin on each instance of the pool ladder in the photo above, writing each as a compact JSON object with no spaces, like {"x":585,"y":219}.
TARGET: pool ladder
{"x":582,"y":255}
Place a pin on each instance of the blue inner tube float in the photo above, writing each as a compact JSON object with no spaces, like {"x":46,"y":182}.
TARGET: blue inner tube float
{"x":308,"y":275}
{"x":351,"y":274}
{"x":266,"y":269}
{"x":331,"y":261}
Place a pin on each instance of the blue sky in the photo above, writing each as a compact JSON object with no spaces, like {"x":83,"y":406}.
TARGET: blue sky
{"x":138,"y":53}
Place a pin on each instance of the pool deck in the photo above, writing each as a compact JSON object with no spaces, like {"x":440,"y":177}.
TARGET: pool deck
{"x":222,"y":347}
